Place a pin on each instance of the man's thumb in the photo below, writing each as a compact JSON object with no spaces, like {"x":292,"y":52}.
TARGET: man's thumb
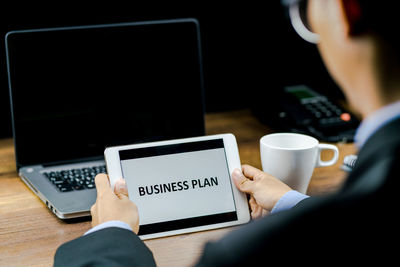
{"x":242,"y":183}
{"x":120,"y":188}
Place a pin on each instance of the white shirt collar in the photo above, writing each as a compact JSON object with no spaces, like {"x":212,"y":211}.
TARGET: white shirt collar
{"x":376,"y":121}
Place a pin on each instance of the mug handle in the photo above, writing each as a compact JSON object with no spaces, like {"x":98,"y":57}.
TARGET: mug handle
{"x":321,"y":163}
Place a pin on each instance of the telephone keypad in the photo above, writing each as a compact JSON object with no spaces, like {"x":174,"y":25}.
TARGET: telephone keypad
{"x":325,"y":112}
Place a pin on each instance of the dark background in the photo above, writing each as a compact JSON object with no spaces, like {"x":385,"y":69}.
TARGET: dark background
{"x":250,"y":50}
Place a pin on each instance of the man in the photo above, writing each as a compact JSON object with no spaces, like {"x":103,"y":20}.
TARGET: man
{"x":356,"y":224}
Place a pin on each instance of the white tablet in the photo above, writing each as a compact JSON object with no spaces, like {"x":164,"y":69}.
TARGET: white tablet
{"x":182,"y":185}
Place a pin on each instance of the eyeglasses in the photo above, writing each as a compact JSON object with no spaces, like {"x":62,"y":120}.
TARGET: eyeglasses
{"x":298,"y":18}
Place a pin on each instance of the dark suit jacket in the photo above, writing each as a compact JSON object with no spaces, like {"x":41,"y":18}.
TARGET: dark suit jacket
{"x":358,"y":224}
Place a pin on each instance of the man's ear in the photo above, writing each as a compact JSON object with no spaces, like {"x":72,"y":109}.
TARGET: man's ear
{"x":353,"y":13}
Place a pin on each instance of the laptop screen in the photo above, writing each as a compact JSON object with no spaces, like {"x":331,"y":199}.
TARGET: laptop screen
{"x":77,"y":90}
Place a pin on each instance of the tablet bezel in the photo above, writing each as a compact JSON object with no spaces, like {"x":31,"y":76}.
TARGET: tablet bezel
{"x":114,"y":170}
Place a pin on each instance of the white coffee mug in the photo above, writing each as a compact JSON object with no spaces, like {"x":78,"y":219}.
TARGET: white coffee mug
{"x":292,"y":158}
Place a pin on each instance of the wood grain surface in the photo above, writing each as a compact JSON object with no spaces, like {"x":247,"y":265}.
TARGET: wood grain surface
{"x":30,"y":233}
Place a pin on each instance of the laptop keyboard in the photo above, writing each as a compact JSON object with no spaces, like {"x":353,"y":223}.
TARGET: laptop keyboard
{"x":75,"y":179}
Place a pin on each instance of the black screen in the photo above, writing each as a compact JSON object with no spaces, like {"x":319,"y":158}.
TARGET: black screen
{"x":77,"y":90}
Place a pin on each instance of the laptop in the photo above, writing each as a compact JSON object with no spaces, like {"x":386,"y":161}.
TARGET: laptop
{"x":76,"y":90}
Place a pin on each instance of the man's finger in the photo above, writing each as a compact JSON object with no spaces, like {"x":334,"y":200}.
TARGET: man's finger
{"x":102,"y":183}
{"x":241,"y":182}
{"x":253,"y":203}
{"x":256,"y":213}
{"x":93,"y":212}
{"x":93,"y":209}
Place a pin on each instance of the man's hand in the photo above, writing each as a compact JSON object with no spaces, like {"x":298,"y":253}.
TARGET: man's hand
{"x":264,"y":189}
{"x":113,"y":206}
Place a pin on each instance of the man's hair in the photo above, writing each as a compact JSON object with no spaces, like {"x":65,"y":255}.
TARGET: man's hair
{"x":381,"y":17}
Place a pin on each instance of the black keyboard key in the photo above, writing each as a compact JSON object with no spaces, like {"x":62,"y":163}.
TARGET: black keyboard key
{"x":58,"y":181}
{"x":78,"y":187}
{"x":90,"y":186}
{"x":62,"y":184}
{"x":65,"y":189}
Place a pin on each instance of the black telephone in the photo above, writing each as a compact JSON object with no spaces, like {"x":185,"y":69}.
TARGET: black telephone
{"x":303,"y":110}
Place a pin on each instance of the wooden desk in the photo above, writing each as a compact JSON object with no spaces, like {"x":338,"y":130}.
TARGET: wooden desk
{"x":30,"y":233}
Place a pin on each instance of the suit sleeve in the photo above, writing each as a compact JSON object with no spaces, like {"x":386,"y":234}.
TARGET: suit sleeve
{"x":107,"y":247}
{"x":255,"y":244}
{"x":269,"y":241}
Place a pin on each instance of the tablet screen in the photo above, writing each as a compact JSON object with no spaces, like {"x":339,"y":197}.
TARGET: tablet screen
{"x":180,"y":185}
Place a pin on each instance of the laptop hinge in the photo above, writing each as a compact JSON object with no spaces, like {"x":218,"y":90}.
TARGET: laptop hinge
{"x":81,"y":160}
